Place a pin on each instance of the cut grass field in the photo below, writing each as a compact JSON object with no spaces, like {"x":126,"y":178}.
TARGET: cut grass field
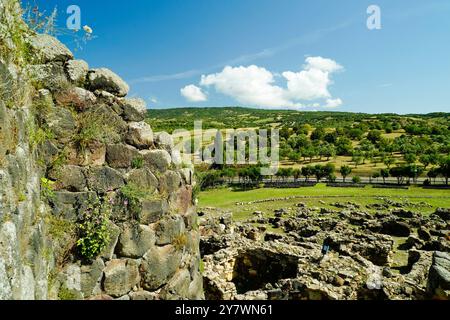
{"x":319,"y":196}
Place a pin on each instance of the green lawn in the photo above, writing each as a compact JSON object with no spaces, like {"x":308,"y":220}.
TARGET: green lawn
{"x":319,"y":196}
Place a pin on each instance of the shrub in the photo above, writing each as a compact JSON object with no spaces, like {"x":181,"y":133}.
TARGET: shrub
{"x":47,"y":189}
{"x":137,"y":163}
{"x":93,"y":228}
{"x":356,"y":179}
{"x":180,"y":242}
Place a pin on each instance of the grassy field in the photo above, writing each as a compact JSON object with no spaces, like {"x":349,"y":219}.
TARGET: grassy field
{"x":418,"y":199}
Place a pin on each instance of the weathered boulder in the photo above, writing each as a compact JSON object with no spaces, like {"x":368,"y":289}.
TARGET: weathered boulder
{"x":78,"y":98}
{"x":153,"y":210}
{"x":91,"y":277}
{"x":169,"y":182}
{"x":69,"y":177}
{"x":143,"y":178}
{"x":113,"y":232}
{"x":143,"y":295}
{"x":121,"y":155}
{"x":158,"y":160}
{"x":49,"y":76}
{"x":140,"y":135}
{"x":121,"y":275}
{"x":134,"y":109}
{"x":159,"y":264}
{"x":77,"y":71}
{"x":439,"y":276}
{"x":169,"y":229}
{"x":178,"y":286}
{"x":164,"y":141}
{"x":135,"y":240}
{"x":47,"y":49}
{"x":67,"y":204}
{"x":104,"y":179}
{"x":62,"y":123}
{"x":105,"y":79}
{"x":93,"y":154}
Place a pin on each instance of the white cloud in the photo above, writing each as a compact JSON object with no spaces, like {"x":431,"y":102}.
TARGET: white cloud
{"x":333,"y":103}
{"x":251,"y":85}
{"x":193,"y":93}
{"x":256,"y":86}
{"x":323,"y":64}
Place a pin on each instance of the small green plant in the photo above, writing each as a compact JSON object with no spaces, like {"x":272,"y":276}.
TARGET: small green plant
{"x":96,"y":125}
{"x":356,"y":179}
{"x":58,"y":228}
{"x":94,"y":234}
{"x":201,"y":266}
{"x":22,"y":197}
{"x":179,"y":242}
{"x":66,"y":294}
{"x":39,"y":136}
{"x":47,"y":191}
{"x":137,"y":163}
{"x":132,"y":197}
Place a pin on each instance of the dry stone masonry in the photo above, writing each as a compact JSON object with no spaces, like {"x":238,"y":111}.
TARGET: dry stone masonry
{"x":91,"y":204}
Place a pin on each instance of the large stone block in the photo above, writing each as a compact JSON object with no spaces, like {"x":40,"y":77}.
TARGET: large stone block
{"x":121,"y":155}
{"x":77,"y":70}
{"x":104,"y":179}
{"x":140,"y":135}
{"x":48,"y":49}
{"x":153,"y":210}
{"x":91,"y":277}
{"x":135,"y":240}
{"x":114,"y":232}
{"x":169,"y":229}
{"x":121,"y":275}
{"x":134,"y":109}
{"x":178,"y":286}
{"x":169,"y":182}
{"x":158,"y":160}
{"x":69,"y":177}
{"x":67,"y":204}
{"x":158,"y":266}
{"x":143,"y":178}
{"x":75,"y":97}
{"x":105,"y":79}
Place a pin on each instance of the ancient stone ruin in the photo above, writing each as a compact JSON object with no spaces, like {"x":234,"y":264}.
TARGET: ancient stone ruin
{"x":393,"y":254}
{"x":91,"y":204}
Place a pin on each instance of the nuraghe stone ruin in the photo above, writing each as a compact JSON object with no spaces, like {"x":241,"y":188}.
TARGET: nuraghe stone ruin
{"x":73,"y":147}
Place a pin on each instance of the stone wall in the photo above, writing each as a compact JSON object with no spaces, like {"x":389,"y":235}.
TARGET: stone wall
{"x":93,"y":205}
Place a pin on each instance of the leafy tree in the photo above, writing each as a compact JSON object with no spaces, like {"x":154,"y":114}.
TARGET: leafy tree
{"x":444,"y":168}
{"x":344,"y":146}
{"x":374,"y":136}
{"x":399,"y":173}
{"x":318,"y":134}
{"x":376,"y":175}
{"x":307,"y":172}
{"x":296,"y":173}
{"x":389,"y":161}
{"x":345,"y":172}
{"x":357,"y":158}
{"x":410,"y":158}
{"x":319,"y":172}
{"x":384,"y":173}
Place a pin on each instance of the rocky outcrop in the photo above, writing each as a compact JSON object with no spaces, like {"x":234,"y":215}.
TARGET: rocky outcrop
{"x":91,"y":207}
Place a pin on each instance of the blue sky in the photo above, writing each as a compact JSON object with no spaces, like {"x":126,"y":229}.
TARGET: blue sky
{"x":330,"y":56}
